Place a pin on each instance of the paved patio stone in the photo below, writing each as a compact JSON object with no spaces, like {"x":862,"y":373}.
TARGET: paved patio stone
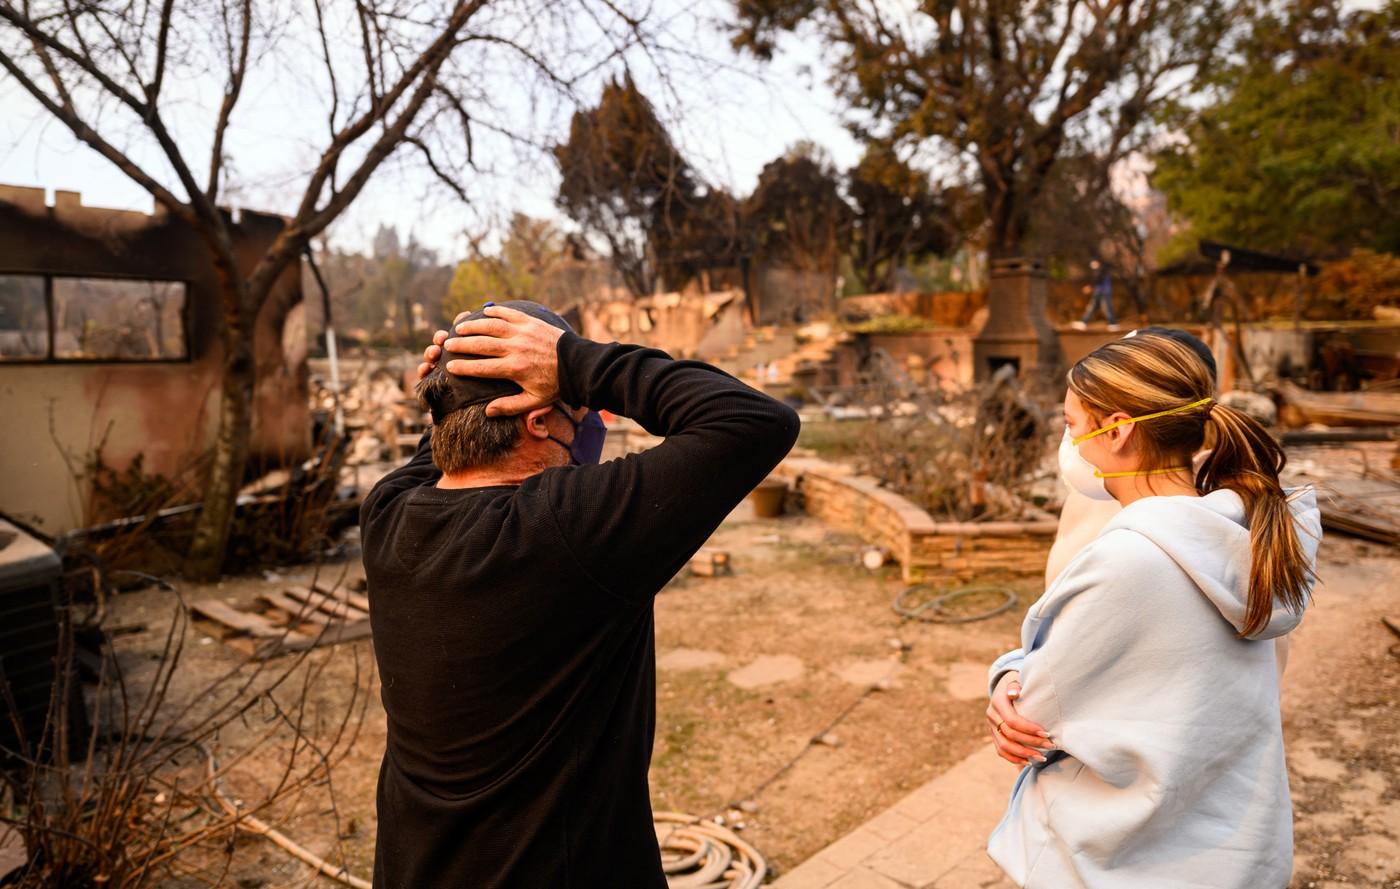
{"x":853,"y":848}
{"x":934,"y":838}
{"x":766,"y":670}
{"x":814,"y":873}
{"x":862,"y":878}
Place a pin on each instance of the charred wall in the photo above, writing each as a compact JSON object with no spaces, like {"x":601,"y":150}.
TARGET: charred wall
{"x":58,"y":411}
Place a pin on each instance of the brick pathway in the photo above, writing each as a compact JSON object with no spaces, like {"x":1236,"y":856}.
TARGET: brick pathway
{"x":934,"y":838}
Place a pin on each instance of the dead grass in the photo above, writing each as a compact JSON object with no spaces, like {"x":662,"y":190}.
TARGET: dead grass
{"x":831,"y":439}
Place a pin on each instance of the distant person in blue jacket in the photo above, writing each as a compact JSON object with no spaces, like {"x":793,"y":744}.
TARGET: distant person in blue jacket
{"x":1100,"y":296}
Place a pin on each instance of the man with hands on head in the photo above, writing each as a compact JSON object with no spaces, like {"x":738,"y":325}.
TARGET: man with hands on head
{"x":511,"y":581}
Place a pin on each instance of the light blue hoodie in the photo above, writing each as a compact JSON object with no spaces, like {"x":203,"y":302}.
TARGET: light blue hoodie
{"x":1169,"y":770}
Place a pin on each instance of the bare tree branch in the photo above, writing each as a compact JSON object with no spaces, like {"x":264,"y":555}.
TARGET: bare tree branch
{"x":87,"y":63}
{"x":90,"y":137}
{"x":442,"y":175}
{"x":330,"y":66}
{"x":455,"y":104}
{"x":83,"y":61}
{"x":432,"y":59}
{"x":162,"y":47}
{"x":237,"y":69}
{"x":310,"y":220}
{"x":367,"y":46}
{"x":148,"y":112}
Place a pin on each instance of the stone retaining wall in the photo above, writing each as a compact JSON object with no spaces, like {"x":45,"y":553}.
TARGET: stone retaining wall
{"x":924,"y":548}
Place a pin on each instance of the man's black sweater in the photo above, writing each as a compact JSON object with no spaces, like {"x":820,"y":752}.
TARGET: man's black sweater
{"x":513,"y":630}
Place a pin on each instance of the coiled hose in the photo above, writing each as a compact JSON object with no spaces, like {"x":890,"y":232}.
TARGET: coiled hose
{"x":698,"y":854}
{"x":938,"y":610}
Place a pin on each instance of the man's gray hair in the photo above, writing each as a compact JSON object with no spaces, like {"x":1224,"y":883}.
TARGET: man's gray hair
{"x":466,"y":438}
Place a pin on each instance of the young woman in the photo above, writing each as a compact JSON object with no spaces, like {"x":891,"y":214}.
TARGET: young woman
{"x":1082,"y":518}
{"x":1163,"y":765}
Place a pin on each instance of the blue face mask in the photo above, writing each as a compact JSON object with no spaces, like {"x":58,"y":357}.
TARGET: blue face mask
{"x":589,"y":433}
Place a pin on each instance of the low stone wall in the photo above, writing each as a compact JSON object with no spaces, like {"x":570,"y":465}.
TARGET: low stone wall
{"x":966,"y":549}
{"x":923,"y":547}
{"x":856,"y":504}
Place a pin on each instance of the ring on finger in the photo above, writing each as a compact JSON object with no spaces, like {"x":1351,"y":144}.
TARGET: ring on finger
{"x":999,"y":725}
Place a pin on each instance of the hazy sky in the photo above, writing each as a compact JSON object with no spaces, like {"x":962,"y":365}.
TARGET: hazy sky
{"x":730,"y":116}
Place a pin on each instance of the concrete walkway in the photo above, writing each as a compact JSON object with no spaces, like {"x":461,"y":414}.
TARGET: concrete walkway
{"x":934,"y":838}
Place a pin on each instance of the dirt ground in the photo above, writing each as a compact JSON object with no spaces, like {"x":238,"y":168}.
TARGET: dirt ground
{"x":798,"y":600}
{"x":1341,"y":701}
{"x":753,"y":665}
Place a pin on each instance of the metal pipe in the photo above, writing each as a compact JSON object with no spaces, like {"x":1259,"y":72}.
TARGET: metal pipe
{"x":330,"y":340}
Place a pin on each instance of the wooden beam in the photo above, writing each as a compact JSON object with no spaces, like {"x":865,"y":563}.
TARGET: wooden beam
{"x":300,"y":612}
{"x":334,"y":605}
{"x":239,"y":621}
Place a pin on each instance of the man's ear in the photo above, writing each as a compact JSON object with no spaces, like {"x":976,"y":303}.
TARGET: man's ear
{"x":534,"y":422}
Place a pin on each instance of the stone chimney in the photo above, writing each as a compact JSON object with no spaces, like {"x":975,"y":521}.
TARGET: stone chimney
{"x":1017,"y":331}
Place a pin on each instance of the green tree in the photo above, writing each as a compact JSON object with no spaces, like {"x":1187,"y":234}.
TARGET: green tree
{"x":473,"y":283}
{"x":1008,"y":87}
{"x":1301,"y":152}
{"x":531,"y":250}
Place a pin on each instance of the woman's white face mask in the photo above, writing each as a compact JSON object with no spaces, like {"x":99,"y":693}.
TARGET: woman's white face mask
{"x":1086,"y":478}
{"x":1079,"y":474}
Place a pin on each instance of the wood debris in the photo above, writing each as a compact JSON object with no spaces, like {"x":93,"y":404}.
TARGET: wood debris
{"x":1360,"y":507}
{"x":710,"y":563}
{"x":1361,"y":408}
{"x":290,"y":620}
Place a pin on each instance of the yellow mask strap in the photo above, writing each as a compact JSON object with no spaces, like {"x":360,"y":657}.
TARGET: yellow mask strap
{"x":1111,"y":426}
{"x":1139,"y":472}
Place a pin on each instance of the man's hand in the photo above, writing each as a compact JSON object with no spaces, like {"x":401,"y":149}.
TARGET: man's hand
{"x":519,"y":348}
{"x":434,"y":352}
{"x":1016,"y":738}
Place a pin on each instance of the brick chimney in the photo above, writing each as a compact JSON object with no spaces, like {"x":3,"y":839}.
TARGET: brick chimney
{"x":1017,"y":331}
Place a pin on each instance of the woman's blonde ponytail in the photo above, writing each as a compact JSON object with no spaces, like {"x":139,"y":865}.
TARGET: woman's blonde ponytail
{"x":1245,"y":459}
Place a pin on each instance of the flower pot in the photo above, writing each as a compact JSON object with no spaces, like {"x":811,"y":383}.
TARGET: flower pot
{"x":768,"y":498}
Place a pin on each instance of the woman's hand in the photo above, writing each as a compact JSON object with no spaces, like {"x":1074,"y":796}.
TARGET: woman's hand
{"x":1017,"y":739}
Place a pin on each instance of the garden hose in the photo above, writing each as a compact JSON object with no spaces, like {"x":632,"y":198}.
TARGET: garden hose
{"x":698,"y":854}
{"x":938,"y":610}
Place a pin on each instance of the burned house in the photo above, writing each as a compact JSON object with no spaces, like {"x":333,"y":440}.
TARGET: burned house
{"x":1233,"y":280}
{"x":109,"y":348}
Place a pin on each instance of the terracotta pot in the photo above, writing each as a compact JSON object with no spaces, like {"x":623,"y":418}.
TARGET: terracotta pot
{"x":768,"y":498}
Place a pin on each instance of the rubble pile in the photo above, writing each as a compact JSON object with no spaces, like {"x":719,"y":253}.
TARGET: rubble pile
{"x":375,"y":408}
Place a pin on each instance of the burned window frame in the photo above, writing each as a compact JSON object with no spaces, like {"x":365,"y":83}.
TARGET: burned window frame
{"x":50,"y":357}
{"x":48,"y":320}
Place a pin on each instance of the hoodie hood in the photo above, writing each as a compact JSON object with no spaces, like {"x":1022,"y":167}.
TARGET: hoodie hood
{"x":1208,"y":538}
